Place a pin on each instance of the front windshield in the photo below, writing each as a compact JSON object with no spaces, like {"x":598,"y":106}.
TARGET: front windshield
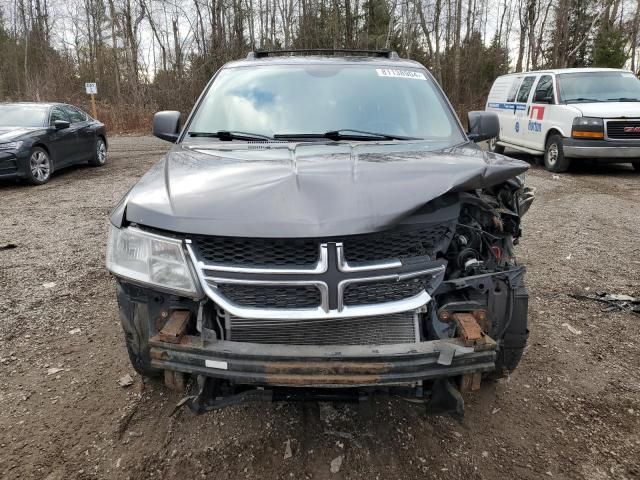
{"x":313,"y":99}
{"x":599,"y":87}
{"x":23,"y":115}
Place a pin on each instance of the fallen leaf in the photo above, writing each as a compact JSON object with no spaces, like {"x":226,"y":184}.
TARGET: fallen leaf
{"x":573,"y":330}
{"x":287,"y":450}
{"x":54,"y":370}
{"x":125,"y":381}
{"x":336,"y":464}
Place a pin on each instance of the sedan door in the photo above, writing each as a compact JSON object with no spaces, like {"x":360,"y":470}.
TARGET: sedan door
{"x":62,"y":142}
{"x":86,"y":134}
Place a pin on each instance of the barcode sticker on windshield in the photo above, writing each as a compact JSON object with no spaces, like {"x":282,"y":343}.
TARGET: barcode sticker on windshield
{"x":395,"y":73}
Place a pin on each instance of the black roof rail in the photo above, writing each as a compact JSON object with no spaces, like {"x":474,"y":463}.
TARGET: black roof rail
{"x":323,"y":51}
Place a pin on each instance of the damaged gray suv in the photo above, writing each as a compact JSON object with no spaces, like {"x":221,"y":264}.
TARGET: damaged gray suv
{"x":323,"y":227}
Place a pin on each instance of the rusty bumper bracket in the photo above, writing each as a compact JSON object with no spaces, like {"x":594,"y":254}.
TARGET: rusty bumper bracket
{"x":175,"y":327}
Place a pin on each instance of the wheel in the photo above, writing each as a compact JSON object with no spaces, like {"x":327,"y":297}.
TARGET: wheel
{"x":135,"y":323}
{"x":99,"y":154}
{"x":494,"y":147}
{"x":40,"y":167}
{"x":636,"y":166}
{"x":554,"y":159}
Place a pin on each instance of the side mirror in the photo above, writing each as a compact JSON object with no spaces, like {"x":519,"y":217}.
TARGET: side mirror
{"x":61,"y":124}
{"x":483,"y":126}
{"x":166,"y":125}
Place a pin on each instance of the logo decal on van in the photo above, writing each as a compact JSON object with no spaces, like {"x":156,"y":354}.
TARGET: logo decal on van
{"x":537,"y":112}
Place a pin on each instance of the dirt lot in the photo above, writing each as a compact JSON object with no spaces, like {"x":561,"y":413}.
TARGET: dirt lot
{"x":571,"y":411}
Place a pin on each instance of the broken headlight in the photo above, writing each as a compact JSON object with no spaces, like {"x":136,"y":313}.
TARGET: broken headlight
{"x":149,"y":259}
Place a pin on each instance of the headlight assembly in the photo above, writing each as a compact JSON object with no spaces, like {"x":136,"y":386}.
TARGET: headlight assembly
{"x":587,"y":127}
{"x":149,"y":259}
{"x":10,"y":146}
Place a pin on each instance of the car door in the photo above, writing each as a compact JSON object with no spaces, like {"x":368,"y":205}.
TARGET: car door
{"x":521,"y":132}
{"x":540,"y":112}
{"x":61,"y":141}
{"x":86,"y":136}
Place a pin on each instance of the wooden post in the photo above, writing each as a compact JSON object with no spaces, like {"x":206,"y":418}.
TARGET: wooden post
{"x":93,"y":106}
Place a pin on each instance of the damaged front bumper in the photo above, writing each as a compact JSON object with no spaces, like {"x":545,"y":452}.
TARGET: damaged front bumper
{"x":324,"y":366}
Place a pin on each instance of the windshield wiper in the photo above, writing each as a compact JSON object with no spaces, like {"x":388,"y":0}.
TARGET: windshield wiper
{"x":347,"y":134}
{"x":581,"y":99}
{"x":624,"y":99}
{"x":226,"y":135}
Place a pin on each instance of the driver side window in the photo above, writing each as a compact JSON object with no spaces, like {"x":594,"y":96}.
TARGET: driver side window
{"x":544,"y":90}
{"x":74,"y":114}
{"x":57,"y":114}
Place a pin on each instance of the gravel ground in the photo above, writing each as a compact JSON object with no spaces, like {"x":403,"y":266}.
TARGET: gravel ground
{"x":572,"y":409}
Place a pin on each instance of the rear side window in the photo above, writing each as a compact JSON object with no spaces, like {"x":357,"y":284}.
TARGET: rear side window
{"x":58,"y":114}
{"x":544,"y":90}
{"x":514,"y":89}
{"x":75,"y":115}
{"x":525,"y":88}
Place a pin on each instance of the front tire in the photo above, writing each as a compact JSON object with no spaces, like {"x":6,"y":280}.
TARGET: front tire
{"x":636,"y":166}
{"x":554,"y":159}
{"x":40,"y":167}
{"x":99,"y":153}
{"x":135,"y":324}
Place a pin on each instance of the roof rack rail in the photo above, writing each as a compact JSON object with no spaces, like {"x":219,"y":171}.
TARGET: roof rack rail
{"x":323,"y":51}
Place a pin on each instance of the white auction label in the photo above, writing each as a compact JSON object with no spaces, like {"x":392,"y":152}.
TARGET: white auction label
{"x":397,"y":73}
{"x":216,"y":364}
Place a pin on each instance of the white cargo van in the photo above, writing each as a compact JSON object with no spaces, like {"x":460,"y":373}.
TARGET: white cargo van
{"x":569,"y":114}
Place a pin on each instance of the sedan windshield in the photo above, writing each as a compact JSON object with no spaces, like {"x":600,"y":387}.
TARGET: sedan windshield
{"x":23,"y":115}
{"x":599,"y":87}
{"x":359,"y":102}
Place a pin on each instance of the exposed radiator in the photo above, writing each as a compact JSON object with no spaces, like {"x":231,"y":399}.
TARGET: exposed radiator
{"x":377,"y":330}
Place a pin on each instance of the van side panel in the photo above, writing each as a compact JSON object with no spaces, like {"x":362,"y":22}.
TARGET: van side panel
{"x":501,"y":102}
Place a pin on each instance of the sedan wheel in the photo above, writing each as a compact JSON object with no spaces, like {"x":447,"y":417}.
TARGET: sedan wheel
{"x":100,"y":154}
{"x":39,"y":166}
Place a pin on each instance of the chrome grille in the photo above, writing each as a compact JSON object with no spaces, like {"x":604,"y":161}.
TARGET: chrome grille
{"x":319,"y":292}
{"x":375,"y":330}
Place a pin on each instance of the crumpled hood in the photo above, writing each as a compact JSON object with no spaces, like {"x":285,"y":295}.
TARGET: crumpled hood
{"x":303,"y":190}
{"x":9,"y":134}
{"x":609,"y":109}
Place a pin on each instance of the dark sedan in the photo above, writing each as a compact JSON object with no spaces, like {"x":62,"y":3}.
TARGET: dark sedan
{"x":38,"y":138}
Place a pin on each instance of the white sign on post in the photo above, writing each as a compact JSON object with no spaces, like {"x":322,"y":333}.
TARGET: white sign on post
{"x":92,"y":88}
